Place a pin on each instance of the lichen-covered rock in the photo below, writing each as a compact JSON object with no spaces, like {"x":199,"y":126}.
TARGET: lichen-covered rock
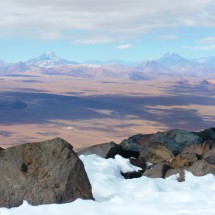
{"x":105,"y":150}
{"x":42,"y":173}
{"x":157,"y":171}
{"x":156,"y":153}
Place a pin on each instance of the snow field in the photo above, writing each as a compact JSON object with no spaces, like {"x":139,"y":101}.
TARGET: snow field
{"x":141,"y":196}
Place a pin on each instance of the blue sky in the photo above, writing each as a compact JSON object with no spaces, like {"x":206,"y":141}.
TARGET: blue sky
{"x":80,"y":30}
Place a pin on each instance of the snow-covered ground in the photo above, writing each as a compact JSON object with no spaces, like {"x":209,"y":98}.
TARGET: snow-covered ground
{"x":142,"y":196}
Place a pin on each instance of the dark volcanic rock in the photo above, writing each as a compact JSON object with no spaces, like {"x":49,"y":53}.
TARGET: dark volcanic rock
{"x":157,"y":171}
{"x":180,"y":172}
{"x":156,"y":153}
{"x":140,"y":162}
{"x":175,"y":140}
{"x":209,"y":156}
{"x":133,"y":143}
{"x":42,"y":173}
{"x":130,"y":175}
{"x":207,"y":134}
{"x":201,"y":168}
{"x":105,"y":150}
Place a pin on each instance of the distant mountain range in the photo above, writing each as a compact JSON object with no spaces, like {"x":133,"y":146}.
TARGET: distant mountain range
{"x":170,"y":65}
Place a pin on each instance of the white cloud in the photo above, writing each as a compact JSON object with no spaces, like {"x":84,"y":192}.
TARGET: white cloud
{"x":207,"y":40}
{"x":168,"y":37}
{"x":96,"y":40}
{"x":119,"y":17}
{"x":200,"y":48}
{"x":125,"y":46}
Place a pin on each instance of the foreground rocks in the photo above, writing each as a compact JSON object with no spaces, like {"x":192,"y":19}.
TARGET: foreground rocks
{"x":171,"y":152}
{"x":42,"y":173}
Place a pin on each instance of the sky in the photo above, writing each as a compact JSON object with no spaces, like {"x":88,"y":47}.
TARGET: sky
{"x":131,"y":30}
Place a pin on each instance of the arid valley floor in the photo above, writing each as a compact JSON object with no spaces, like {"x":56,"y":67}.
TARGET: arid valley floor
{"x":86,"y":112}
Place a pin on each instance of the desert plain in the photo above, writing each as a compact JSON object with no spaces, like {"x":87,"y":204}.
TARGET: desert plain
{"x":87,"y":111}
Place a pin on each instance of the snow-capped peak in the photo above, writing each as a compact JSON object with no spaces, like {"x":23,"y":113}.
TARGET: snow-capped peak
{"x":49,"y":59}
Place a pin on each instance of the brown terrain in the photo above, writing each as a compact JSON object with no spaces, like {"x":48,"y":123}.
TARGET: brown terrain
{"x":87,"y":111}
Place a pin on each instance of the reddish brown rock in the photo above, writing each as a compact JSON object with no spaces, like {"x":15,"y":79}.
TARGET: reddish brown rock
{"x":139,"y":162}
{"x":42,"y":173}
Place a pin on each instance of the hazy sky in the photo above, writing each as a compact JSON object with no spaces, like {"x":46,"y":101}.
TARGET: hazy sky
{"x":106,"y":29}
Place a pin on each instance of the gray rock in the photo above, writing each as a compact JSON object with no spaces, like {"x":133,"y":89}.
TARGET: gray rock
{"x":105,"y":150}
{"x":209,"y":156}
{"x":175,"y":140}
{"x":157,"y":171}
{"x":42,"y":173}
{"x":201,"y":168}
{"x":207,"y":134}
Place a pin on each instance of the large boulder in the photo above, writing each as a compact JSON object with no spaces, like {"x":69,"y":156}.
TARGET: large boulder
{"x":175,"y":140}
{"x":105,"y":150}
{"x":42,"y":173}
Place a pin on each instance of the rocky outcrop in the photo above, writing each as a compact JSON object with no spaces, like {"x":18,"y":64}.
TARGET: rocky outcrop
{"x":174,"y":151}
{"x":175,"y":140}
{"x":42,"y":173}
{"x":105,"y":150}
